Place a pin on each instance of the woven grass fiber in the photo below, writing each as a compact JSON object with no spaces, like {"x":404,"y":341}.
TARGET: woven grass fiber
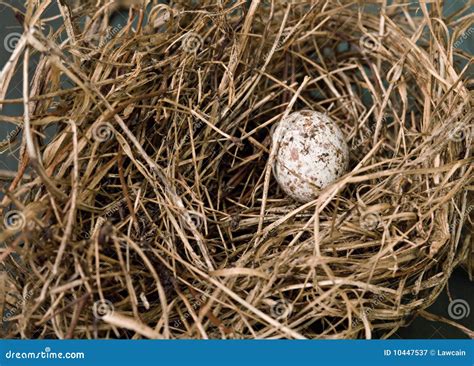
{"x":149,"y":209}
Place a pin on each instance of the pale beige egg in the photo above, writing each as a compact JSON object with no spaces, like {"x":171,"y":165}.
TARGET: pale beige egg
{"x":312,"y":153}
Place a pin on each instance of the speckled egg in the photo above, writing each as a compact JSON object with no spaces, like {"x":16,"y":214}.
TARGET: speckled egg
{"x":312,"y":153}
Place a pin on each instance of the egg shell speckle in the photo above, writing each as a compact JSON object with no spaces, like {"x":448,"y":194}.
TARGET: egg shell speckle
{"x":312,"y":153}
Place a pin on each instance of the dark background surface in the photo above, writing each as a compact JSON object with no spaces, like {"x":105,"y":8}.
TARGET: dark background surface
{"x":460,"y":287}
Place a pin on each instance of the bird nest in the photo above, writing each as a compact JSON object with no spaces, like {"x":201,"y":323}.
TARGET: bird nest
{"x":150,"y":208}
